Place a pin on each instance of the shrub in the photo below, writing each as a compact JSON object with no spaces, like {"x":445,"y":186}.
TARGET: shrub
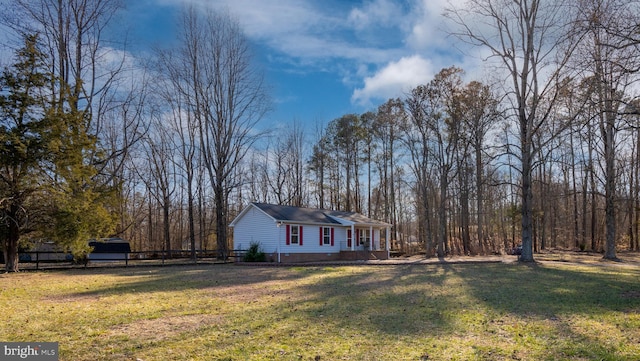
{"x":255,"y":253}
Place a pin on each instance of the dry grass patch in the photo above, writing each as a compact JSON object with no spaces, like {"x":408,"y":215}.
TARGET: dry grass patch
{"x":164,"y":327}
{"x":549,"y":311}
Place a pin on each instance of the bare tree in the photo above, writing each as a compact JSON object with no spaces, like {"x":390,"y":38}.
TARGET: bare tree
{"x":436,"y":113}
{"x":318,"y":165}
{"x":386,"y":127}
{"x":609,"y":60}
{"x":89,"y":93}
{"x":159,"y":180}
{"x":529,"y":40}
{"x":480,"y":113}
{"x":284,"y":171}
{"x":182,"y":123}
{"x":227,"y":96}
{"x":417,"y":137}
{"x":88,"y":75}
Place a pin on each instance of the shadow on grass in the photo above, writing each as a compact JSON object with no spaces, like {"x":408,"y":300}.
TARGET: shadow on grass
{"x":387,"y":293}
{"x":561,"y":310}
{"x":543,"y":291}
{"x":519,"y":304}
{"x":180,"y":278}
{"x":526,"y":307}
{"x":400,"y":300}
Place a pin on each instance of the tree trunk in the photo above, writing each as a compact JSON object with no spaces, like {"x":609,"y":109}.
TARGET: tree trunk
{"x":190,"y":216}
{"x":610,"y":190}
{"x":630,"y":203}
{"x":636,"y":196}
{"x":464,"y":214}
{"x":527,"y":204}
{"x":592,"y":186}
{"x":480,"y":200}
{"x":576,"y":239}
{"x":11,"y":257}
{"x":221,"y":221}
{"x":166,"y":225}
{"x":442,"y":216}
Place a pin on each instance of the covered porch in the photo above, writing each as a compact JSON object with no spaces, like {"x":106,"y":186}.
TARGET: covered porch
{"x":365,"y":241}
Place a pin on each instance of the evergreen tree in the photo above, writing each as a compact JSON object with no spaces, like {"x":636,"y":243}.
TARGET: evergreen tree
{"x":24,"y":137}
{"x":81,"y":206}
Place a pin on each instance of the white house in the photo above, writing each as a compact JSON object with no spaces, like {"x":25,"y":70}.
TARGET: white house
{"x":296,"y":234}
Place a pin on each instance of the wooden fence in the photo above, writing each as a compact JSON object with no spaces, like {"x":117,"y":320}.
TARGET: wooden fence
{"x":37,"y":260}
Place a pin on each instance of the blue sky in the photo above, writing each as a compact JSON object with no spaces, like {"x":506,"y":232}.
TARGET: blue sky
{"x":323,"y":58}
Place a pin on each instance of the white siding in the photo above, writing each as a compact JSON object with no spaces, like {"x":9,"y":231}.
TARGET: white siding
{"x":311,"y":241}
{"x":255,"y":226}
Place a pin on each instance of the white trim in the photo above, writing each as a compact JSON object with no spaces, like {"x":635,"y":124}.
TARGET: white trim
{"x":245,"y":210}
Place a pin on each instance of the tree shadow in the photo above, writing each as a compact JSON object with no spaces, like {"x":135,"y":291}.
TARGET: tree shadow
{"x":180,"y":278}
{"x":413,"y":301}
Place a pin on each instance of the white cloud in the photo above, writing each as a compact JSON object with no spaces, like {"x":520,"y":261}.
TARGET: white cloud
{"x":350,"y":39}
{"x":394,"y":80}
{"x":375,"y":13}
{"x":372,"y":31}
{"x":428,"y":27}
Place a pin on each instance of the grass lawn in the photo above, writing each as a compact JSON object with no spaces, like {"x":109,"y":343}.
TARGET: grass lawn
{"x":550,"y":311}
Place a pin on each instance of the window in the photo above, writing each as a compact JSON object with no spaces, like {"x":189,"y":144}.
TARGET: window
{"x":349,"y":240}
{"x":326,"y":236}
{"x":365,"y":236}
{"x":295,"y":234}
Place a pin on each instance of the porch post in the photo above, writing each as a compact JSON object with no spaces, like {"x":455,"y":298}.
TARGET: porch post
{"x":388,"y":243}
{"x":353,"y":237}
{"x":373,"y":246}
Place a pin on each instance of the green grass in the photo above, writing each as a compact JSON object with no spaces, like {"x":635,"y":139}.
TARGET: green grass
{"x":420,"y":312}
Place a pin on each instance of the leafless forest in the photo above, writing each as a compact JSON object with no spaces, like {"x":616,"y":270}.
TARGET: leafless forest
{"x":543,"y":151}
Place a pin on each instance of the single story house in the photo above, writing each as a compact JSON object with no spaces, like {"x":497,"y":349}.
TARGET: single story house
{"x":297,"y":234}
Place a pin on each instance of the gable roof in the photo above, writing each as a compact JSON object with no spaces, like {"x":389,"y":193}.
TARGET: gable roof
{"x":291,"y":214}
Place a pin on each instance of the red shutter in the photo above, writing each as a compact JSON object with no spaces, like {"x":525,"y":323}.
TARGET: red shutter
{"x":373,"y":238}
{"x":349,"y":238}
{"x":357,"y":237}
{"x":300,"y":234}
{"x":288,"y":239}
{"x":321,"y":236}
{"x":332,"y":236}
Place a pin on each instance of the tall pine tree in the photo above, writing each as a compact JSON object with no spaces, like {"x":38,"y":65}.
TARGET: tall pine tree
{"x":24,"y":137}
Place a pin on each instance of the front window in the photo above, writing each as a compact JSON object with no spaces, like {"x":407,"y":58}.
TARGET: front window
{"x":295,"y":234}
{"x":326,"y":236}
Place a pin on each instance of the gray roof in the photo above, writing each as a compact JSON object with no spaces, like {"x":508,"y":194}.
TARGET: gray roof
{"x":314,"y":215}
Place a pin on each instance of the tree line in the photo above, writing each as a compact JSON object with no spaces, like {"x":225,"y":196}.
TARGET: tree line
{"x":544,"y":153}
